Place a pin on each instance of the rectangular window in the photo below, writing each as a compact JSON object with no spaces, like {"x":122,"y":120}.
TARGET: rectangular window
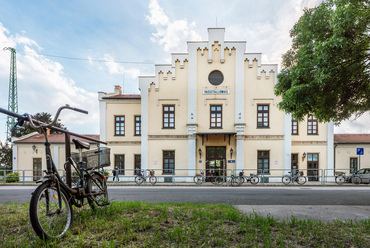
{"x":137,"y":164}
{"x":263,"y":116}
{"x":294,"y":127}
{"x":168,"y":116}
{"x":263,"y":165}
{"x":294,"y":162}
{"x":168,"y":162}
{"x":119,"y":123}
{"x":119,"y":161}
{"x":312,"y":125}
{"x":37,"y":169}
{"x":216,"y":116}
{"x":137,"y":125}
{"x":353,"y":165}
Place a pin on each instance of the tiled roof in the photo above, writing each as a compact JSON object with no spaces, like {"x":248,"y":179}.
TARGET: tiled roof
{"x":352,"y":138}
{"x":54,"y":138}
{"x":123,"y":96}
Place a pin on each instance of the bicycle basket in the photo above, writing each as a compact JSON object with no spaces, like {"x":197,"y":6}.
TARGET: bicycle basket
{"x":94,"y":159}
{"x":152,"y":172}
{"x":300,"y":173}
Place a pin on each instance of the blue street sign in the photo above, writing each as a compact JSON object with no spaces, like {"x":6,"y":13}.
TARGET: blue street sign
{"x":360,"y":151}
{"x":231,"y":161}
{"x":200,"y":161}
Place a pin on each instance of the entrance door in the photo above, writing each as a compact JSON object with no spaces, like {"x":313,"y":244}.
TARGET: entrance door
{"x":215,"y":162}
{"x":313,"y":166}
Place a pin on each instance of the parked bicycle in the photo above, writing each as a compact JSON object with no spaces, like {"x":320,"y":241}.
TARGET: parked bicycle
{"x":51,"y":203}
{"x":201,"y":178}
{"x":233,"y":180}
{"x":297,"y":177}
{"x":139,"y":179}
{"x":340,"y":178}
{"x":252,"y":178}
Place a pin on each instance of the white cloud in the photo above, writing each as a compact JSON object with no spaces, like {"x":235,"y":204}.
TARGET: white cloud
{"x":173,"y":35}
{"x":43,"y":87}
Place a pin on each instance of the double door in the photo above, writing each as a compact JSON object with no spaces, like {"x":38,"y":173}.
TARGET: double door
{"x":215,"y":162}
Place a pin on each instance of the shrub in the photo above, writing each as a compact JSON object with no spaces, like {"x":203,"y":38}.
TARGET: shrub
{"x":12,"y":177}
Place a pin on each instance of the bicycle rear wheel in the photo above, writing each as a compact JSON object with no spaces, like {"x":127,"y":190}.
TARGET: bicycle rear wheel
{"x":152,"y":180}
{"x":339,"y":180}
{"x":255,"y":180}
{"x":97,"y":187}
{"x":219,"y":180}
{"x":301,"y":180}
{"x":47,"y":219}
{"x":235,"y":181}
{"x":285,"y":180}
{"x":139,"y":180}
{"x":356,"y":180}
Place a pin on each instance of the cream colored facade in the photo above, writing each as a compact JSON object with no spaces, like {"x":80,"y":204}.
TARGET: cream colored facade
{"x":196,"y":141}
{"x":29,"y":150}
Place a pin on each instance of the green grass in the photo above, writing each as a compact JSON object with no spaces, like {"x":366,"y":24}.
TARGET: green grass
{"x":137,"y":224}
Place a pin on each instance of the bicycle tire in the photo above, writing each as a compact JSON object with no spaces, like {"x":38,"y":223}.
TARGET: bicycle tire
{"x":242,"y":180}
{"x":219,"y":180}
{"x":285,"y":180}
{"x":301,"y":180}
{"x":139,"y":180}
{"x":153,"y":180}
{"x":339,"y":180}
{"x":50,"y":224}
{"x":356,"y":180}
{"x":198,"y":180}
{"x":98,"y":189}
{"x":235,"y":181}
{"x":255,"y":180}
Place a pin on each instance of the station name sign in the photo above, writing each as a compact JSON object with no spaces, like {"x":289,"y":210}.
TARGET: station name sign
{"x":216,"y":92}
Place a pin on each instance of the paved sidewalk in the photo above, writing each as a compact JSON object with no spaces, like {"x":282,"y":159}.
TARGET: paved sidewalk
{"x":325,"y":213}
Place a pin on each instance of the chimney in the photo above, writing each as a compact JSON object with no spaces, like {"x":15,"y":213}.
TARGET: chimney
{"x":48,"y":132}
{"x":117,"y":89}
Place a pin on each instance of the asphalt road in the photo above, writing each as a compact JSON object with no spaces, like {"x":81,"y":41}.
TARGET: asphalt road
{"x":325,"y":203}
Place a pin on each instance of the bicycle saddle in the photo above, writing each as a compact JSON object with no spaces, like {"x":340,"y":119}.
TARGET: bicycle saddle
{"x":81,"y":145}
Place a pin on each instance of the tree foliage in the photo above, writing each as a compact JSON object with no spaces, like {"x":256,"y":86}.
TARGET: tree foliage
{"x":5,"y":155}
{"x":327,"y":70}
{"x":43,"y":117}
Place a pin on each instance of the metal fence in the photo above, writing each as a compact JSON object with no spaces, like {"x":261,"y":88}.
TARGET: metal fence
{"x":268,"y":177}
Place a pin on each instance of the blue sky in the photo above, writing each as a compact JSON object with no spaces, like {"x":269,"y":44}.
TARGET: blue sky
{"x":61,"y":45}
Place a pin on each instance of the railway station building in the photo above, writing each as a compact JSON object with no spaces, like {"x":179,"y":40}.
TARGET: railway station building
{"x":212,"y":108}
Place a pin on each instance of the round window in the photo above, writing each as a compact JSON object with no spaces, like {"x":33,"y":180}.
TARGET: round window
{"x":216,"y":78}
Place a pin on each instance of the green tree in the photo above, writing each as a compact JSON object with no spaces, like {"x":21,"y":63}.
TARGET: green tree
{"x":6,"y":155}
{"x":327,"y":70}
{"x":43,"y":117}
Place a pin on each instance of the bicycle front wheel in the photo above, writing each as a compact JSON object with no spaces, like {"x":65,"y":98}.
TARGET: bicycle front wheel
{"x":301,"y":180}
{"x":339,"y":180}
{"x":255,"y":180}
{"x":139,"y":180}
{"x":152,"y":180}
{"x":97,"y":188}
{"x":286,"y":180}
{"x":198,"y":180}
{"x":47,"y":218}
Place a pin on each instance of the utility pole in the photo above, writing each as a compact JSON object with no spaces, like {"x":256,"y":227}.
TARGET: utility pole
{"x":13,"y":93}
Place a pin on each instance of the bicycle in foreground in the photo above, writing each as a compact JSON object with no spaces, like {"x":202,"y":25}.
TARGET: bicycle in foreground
{"x":297,"y":177}
{"x":50,"y":211}
{"x":139,"y":179}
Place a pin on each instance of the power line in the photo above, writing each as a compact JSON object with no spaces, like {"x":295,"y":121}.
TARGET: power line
{"x":94,"y":60}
